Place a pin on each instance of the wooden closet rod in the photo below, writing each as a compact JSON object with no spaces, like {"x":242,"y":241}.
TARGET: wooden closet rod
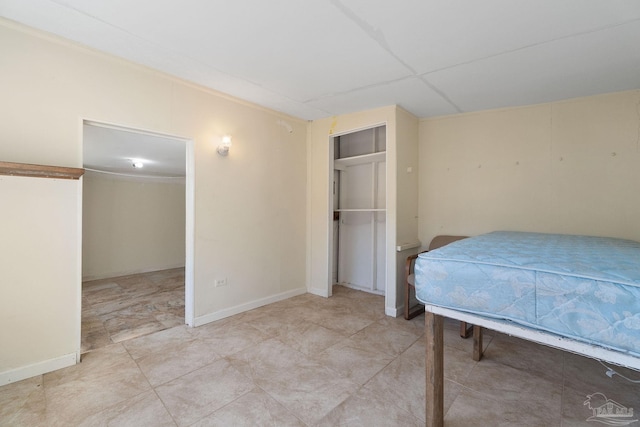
{"x":40,"y":171}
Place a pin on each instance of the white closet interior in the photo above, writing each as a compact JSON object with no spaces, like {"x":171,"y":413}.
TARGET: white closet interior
{"x":359,"y":210}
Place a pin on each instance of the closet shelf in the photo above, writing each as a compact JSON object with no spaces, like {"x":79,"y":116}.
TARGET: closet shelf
{"x":341,"y":164}
{"x":360,"y":210}
{"x":40,"y":171}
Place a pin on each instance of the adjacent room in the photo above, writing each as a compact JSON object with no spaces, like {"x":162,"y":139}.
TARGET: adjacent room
{"x":209,"y":209}
{"x":133,"y":234}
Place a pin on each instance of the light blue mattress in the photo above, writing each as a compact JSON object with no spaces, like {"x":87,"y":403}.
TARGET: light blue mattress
{"x":582,"y":287}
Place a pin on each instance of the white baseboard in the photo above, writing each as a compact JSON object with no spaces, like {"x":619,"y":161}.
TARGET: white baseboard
{"x":393,"y":312}
{"x":212,"y":317}
{"x":39,"y":368}
{"x":319,"y":292}
{"x":129,"y":272}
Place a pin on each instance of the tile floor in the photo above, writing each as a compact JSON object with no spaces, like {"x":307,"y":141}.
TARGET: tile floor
{"x":122,"y":308}
{"x":311,"y":361}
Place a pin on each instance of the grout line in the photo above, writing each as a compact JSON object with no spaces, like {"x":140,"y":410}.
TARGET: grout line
{"x":165,"y":406}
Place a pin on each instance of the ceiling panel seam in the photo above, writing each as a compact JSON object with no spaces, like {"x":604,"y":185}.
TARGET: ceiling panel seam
{"x":378,"y":36}
{"x":374,"y":33}
{"x":532,"y":45}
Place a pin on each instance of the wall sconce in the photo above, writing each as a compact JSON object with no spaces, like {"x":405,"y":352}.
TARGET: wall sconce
{"x":225,"y":144}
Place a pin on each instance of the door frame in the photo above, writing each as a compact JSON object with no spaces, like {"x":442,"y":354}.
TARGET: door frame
{"x":189,"y":144}
{"x":389,"y":290}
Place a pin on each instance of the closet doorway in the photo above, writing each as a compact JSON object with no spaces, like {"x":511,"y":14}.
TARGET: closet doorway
{"x":137,"y":233}
{"x":358,"y":206}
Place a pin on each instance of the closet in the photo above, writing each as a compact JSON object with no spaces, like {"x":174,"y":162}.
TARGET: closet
{"x":359,"y":210}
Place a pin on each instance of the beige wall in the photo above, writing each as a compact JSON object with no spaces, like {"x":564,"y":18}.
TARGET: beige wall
{"x":565,"y":167}
{"x":38,"y":259}
{"x":249,"y":207}
{"x":408,"y":172}
{"x":131,"y":225}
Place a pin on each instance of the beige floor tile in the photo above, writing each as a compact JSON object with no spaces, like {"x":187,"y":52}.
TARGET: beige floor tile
{"x":201,"y":392}
{"x":357,"y":301}
{"x":452,"y":337}
{"x":23,"y":403}
{"x":305,"y":387}
{"x":165,"y":366}
{"x":140,"y":282}
{"x":169,"y":320}
{"x":96,"y":365}
{"x":341,"y":320}
{"x":368,"y":409}
{"x":125,"y":327}
{"x":308,"y":337}
{"x":122,"y":308}
{"x":101,"y":291}
{"x":503,"y":382}
{"x":451,"y":392}
{"x":458,"y":364}
{"x":229,"y":337}
{"x":404,"y":379}
{"x":255,"y":408}
{"x":389,"y":336}
{"x":171,"y":278}
{"x":402,"y":382}
{"x":574,"y":410}
{"x":589,"y":376}
{"x":352,"y":361}
{"x":310,"y":391}
{"x":305,"y":299}
{"x":280,"y":309}
{"x":475,"y":408}
{"x":119,"y":296}
{"x":267,"y":322}
{"x":584,"y":377}
{"x":536,"y":359}
{"x":94,"y":335}
{"x":143,"y":410}
{"x":273,"y":321}
{"x":104,"y":378}
{"x":163,"y":341}
{"x":267,"y":360}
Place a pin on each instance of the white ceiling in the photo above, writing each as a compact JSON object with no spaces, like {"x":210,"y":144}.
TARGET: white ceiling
{"x":114,"y":150}
{"x":318,"y":58}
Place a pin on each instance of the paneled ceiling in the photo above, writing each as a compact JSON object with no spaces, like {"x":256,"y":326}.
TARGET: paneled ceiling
{"x":318,"y":58}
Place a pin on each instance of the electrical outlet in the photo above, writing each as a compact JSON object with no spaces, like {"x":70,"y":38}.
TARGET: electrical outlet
{"x":220,"y":282}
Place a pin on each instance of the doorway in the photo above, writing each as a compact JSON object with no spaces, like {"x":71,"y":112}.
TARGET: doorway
{"x":358,"y":207}
{"x":138,"y":210}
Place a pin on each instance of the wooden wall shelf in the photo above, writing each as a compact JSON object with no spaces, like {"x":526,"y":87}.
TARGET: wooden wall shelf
{"x":40,"y":171}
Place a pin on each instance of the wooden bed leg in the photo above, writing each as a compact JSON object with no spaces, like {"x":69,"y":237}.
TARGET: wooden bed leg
{"x":477,"y":343}
{"x":465,"y":331}
{"x":434,"y":370}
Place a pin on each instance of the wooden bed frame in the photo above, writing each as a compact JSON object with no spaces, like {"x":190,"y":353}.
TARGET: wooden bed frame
{"x":435,"y":360}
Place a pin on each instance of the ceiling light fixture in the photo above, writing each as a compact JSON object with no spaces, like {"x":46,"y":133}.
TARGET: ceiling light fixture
{"x":137,"y":164}
{"x":225,"y":144}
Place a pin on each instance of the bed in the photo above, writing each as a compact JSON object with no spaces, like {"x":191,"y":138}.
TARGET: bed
{"x":577,"y":293}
